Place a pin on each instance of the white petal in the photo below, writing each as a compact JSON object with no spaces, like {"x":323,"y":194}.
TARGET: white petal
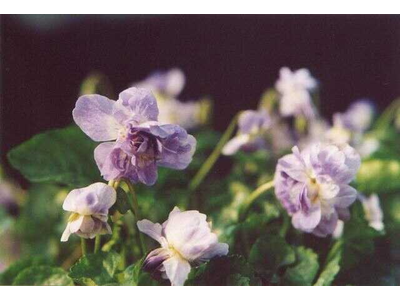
{"x":235,"y":144}
{"x":153,"y":230}
{"x":75,"y":225}
{"x":66,"y":234}
{"x":218,"y":249}
{"x":177,"y":270}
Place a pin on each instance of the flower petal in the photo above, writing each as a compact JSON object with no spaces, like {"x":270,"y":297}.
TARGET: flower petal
{"x":96,"y":198}
{"x":235,"y":144}
{"x":153,"y":230}
{"x":141,"y":102}
{"x":177,"y":270}
{"x":94,"y":115}
{"x":346,"y":196}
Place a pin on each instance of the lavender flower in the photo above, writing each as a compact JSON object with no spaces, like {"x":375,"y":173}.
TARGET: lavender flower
{"x":185,"y":239}
{"x":313,"y":186}
{"x":350,"y":127}
{"x":142,"y":143}
{"x":373,"y":212}
{"x":169,"y":84}
{"x":252,"y":126}
{"x":189,"y":114}
{"x":89,"y":207}
{"x":294,"y":88}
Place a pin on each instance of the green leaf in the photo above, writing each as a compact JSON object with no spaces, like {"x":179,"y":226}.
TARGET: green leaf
{"x":41,"y":222}
{"x":222,"y":271}
{"x":8,"y":276}
{"x":131,"y":274}
{"x":62,"y":156}
{"x":379,"y":175}
{"x":358,"y":239}
{"x":43,"y":275}
{"x":96,"y":269}
{"x":332,"y":266}
{"x":269,"y":253}
{"x":305,"y":268}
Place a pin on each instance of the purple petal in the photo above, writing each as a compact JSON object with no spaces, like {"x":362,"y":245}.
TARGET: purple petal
{"x":112,"y":161}
{"x":141,"y":102}
{"x":94,"y":115}
{"x":327,"y":226}
{"x":177,"y":147}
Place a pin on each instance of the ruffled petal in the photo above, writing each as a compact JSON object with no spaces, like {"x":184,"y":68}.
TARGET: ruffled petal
{"x":141,"y":103}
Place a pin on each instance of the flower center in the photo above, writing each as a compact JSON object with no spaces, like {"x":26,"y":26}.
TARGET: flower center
{"x":313,"y":189}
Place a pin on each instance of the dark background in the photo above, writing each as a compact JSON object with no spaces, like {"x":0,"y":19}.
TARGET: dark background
{"x":230,"y":58}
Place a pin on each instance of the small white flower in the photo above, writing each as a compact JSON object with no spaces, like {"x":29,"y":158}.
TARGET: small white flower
{"x":295,"y":88}
{"x":89,"y":207}
{"x":373,"y":212}
{"x":185,"y":239}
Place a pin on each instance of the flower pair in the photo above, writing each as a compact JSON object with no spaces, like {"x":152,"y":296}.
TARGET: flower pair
{"x":185,"y":238}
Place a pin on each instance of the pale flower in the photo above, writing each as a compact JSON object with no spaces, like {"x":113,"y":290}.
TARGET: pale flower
{"x":373,"y":212}
{"x":295,"y":88}
{"x":252,"y":126}
{"x":89,"y":210}
{"x":185,"y":239}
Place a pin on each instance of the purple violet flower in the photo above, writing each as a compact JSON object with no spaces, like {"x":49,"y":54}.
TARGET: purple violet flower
{"x":139,"y":142}
{"x":313,"y":186}
{"x":252,"y":126}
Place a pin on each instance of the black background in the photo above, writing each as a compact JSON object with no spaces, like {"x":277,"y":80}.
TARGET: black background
{"x":230,"y":58}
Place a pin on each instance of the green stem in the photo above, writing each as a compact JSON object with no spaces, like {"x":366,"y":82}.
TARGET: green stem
{"x":252,"y":197}
{"x":285,"y":225}
{"x":83,"y":246}
{"x":97,"y":243}
{"x":135,"y":209}
{"x":209,"y":163}
{"x":387,"y":116}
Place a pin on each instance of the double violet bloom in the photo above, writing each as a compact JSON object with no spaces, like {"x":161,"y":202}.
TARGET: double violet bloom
{"x":313,"y":186}
{"x":139,"y":142}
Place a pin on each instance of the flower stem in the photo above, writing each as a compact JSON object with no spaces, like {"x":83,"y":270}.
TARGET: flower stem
{"x":135,"y":209}
{"x":252,"y":197}
{"x":83,"y":246}
{"x":209,"y":163}
{"x":97,"y":243}
{"x":387,"y":116}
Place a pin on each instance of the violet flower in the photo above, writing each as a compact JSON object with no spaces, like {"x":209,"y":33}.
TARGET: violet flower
{"x":294,"y":88}
{"x":350,"y":127}
{"x":313,"y":186}
{"x":89,"y":210}
{"x":185,"y":239}
{"x":250,"y":136}
{"x":142,"y":143}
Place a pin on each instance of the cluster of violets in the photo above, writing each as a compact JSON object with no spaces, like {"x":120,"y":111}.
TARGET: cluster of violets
{"x":312,"y":183}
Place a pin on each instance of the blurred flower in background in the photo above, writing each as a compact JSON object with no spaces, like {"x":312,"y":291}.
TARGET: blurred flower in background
{"x":295,"y":93}
{"x":166,"y":87}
